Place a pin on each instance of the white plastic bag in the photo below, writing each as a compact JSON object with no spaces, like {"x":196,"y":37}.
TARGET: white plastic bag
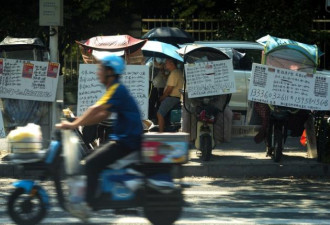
{"x":71,"y":152}
{"x":25,"y":139}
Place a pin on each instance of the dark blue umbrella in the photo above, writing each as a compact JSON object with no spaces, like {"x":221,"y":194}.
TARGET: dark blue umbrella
{"x":170,"y":35}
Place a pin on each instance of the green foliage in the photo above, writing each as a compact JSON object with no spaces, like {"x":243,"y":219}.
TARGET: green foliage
{"x":205,"y":9}
{"x":285,"y":18}
{"x":20,"y":18}
{"x":252,"y":19}
{"x":93,"y":9}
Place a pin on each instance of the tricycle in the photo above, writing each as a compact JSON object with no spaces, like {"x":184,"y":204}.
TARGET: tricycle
{"x":292,"y":55}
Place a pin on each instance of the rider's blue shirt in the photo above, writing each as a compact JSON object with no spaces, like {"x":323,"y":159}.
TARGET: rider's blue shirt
{"x":128,"y":125}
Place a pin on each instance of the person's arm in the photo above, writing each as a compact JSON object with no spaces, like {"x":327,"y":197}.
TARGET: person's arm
{"x":168,"y":90}
{"x":93,"y":115}
{"x":170,"y":84}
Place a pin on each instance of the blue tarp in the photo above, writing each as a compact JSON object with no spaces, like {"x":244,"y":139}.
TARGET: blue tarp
{"x":296,"y":51}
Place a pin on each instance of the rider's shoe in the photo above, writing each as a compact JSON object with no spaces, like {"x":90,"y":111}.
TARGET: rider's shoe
{"x":80,"y":210}
{"x":269,"y":151}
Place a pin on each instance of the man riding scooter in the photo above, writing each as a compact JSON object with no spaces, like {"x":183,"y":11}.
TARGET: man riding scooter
{"x":127,"y":129}
{"x":171,"y":96}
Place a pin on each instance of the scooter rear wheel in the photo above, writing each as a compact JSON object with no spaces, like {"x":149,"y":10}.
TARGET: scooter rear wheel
{"x":163,"y":208}
{"x":24,"y":209}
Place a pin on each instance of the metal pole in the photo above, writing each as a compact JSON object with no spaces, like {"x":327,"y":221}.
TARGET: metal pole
{"x":53,"y":48}
{"x":53,"y":43}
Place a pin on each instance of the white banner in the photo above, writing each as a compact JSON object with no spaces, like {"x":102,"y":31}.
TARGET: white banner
{"x":29,"y":80}
{"x":283,"y":87}
{"x":210,"y":78}
{"x":135,"y":78}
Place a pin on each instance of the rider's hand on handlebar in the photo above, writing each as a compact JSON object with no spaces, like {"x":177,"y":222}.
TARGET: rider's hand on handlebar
{"x":65,"y":125}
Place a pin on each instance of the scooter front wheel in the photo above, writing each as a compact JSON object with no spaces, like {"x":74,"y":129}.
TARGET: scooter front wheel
{"x":26,"y":209}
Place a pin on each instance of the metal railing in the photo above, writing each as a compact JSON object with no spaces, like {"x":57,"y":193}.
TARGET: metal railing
{"x":322,"y":26}
{"x":199,"y":29}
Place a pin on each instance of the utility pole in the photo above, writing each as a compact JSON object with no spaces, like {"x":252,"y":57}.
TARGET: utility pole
{"x":53,"y":50}
{"x":51,"y":14}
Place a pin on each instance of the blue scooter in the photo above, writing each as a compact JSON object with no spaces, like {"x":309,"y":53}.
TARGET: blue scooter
{"x":154,"y":188}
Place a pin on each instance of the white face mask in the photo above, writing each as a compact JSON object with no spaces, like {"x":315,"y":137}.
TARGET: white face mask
{"x":159,"y":60}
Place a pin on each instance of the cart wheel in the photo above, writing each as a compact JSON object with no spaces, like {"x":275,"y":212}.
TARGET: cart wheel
{"x":206,"y":147}
{"x":269,"y":140}
{"x":278,"y":143}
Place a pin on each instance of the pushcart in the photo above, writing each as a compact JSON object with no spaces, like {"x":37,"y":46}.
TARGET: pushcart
{"x":201,"y":114}
{"x":292,"y":55}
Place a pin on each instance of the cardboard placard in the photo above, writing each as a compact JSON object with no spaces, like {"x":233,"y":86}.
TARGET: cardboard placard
{"x":28,"y":80}
{"x":210,"y":78}
{"x":135,"y":78}
{"x":289,"y":88}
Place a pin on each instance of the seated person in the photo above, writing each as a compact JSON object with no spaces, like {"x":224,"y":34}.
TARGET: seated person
{"x":171,"y":95}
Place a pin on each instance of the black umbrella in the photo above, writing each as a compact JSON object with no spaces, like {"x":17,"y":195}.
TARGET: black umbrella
{"x":171,"y":35}
{"x":192,"y":53}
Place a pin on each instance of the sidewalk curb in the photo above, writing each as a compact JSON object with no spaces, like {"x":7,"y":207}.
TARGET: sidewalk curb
{"x":242,"y":170}
{"x":258,"y":170}
{"x":239,"y":158}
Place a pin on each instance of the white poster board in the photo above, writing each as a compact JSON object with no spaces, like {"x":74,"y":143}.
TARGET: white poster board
{"x":2,"y":128}
{"x":28,"y":80}
{"x":283,"y":87}
{"x":135,"y":78}
{"x":210,"y":78}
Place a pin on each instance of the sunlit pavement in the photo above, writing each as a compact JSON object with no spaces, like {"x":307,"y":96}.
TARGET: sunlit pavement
{"x":241,"y":157}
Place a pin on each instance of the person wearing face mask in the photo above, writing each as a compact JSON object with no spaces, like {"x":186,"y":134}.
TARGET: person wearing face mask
{"x":158,"y":78}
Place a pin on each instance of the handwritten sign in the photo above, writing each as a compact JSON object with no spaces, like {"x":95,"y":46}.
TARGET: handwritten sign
{"x":29,"y":80}
{"x":210,"y":78}
{"x":2,"y":129}
{"x":135,"y":78}
{"x":283,"y":87}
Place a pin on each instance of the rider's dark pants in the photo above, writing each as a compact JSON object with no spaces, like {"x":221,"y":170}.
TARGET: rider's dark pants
{"x":97,"y":161}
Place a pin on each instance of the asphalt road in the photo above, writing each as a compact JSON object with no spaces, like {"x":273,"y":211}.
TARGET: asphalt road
{"x":220,"y":201}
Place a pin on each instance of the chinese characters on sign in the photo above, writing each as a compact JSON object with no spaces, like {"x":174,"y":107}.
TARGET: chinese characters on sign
{"x":210,"y":78}
{"x":135,"y":78}
{"x":28,"y":80}
{"x":283,"y":87}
